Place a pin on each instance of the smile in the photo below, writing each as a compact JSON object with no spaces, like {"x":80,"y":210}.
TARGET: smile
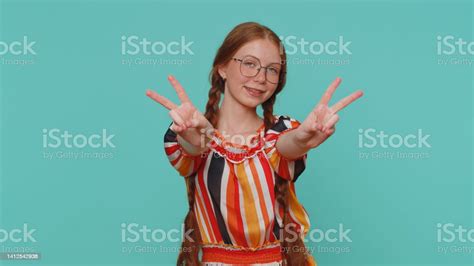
{"x":253,"y":92}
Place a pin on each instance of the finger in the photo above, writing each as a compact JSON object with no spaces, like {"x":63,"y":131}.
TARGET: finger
{"x":161,"y":100}
{"x":330,"y":131}
{"x":331,"y":122}
{"x":330,"y":91}
{"x":317,"y":126}
{"x":177,"y":119}
{"x":346,"y":101}
{"x":318,"y":112}
{"x":188,"y":123}
{"x":183,"y":97}
{"x":176,"y":128}
{"x":193,"y":123}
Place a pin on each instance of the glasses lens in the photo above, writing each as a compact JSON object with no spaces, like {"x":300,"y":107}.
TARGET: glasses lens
{"x":273,"y":73}
{"x":249,"y":66}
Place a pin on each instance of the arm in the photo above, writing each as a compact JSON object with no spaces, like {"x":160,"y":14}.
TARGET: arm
{"x":192,"y":128}
{"x":317,"y":127}
{"x":196,"y":149}
{"x":290,"y":146}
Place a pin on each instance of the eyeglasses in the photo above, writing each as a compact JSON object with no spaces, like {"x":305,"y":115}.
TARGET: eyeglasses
{"x":250,"y":67}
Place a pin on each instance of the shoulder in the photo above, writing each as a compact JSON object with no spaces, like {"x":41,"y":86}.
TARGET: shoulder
{"x":282,"y":123}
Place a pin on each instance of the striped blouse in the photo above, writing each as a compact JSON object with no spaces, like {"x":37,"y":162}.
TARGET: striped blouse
{"x":235,"y":203}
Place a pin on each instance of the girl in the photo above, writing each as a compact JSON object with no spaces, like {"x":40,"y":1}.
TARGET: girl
{"x":240,"y":168}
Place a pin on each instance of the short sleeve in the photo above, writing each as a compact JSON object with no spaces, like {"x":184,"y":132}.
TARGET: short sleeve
{"x":186,"y":164}
{"x":285,"y":168}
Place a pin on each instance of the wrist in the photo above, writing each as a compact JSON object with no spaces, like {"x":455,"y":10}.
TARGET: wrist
{"x":300,"y":141}
{"x":206,"y":135}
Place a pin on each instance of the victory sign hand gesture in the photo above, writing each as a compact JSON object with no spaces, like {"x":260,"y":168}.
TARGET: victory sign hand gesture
{"x":320,"y":123}
{"x":188,"y":122}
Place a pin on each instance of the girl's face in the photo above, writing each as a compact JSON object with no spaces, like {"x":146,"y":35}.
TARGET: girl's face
{"x":252,"y":91}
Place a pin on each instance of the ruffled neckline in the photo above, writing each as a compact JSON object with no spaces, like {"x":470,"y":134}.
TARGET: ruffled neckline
{"x":237,"y":153}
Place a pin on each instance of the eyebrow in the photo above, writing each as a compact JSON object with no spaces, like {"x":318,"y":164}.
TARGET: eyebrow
{"x":280,"y":63}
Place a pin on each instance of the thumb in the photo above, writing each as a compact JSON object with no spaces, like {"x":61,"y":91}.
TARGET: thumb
{"x":194,"y":123}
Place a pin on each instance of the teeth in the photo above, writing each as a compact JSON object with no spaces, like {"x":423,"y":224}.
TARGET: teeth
{"x":254,"y":90}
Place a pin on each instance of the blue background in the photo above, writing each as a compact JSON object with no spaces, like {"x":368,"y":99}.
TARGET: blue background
{"x":77,"y":82}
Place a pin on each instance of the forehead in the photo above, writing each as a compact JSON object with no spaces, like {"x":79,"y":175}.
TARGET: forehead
{"x":263,"y":49}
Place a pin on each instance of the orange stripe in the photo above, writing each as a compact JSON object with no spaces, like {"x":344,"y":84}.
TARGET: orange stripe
{"x":201,"y":228}
{"x":274,"y":159}
{"x":263,"y":205}
{"x":231,"y":216}
{"x":296,"y":207}
{"x":233,"y":212}
{"x":249,"y":207}
{"x":206,"y":219}
{"x":185,"y":165}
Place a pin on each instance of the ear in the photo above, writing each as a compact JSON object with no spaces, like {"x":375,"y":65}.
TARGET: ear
{"x":222,"y":72}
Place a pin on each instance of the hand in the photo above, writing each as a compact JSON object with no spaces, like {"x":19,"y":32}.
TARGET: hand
{"x":188,"y":122}
{"x":320,"y":123}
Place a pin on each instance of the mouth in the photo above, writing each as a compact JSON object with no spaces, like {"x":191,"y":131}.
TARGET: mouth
{"x":254,"y":92}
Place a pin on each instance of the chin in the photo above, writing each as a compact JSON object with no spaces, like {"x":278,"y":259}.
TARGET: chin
{"x":250,"y":103}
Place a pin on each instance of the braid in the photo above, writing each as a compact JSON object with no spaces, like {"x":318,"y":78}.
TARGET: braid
{"x":189,"y":253}
{"x":268,"y":118}
{"x":293,"y":251}
{"x":212,"y":106}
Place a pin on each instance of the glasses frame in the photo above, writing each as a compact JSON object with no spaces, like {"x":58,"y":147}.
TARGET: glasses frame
{"x":241,"y":60}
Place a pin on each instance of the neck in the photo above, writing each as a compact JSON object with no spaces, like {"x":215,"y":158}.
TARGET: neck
{"x":237,"y":118}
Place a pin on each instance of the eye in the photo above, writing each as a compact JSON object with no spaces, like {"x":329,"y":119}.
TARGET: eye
{"x":250,"y":64}
{"x":273,"y":71}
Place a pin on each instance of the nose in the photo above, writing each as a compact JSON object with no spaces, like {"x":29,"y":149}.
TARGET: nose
{"x":260,"y":77}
